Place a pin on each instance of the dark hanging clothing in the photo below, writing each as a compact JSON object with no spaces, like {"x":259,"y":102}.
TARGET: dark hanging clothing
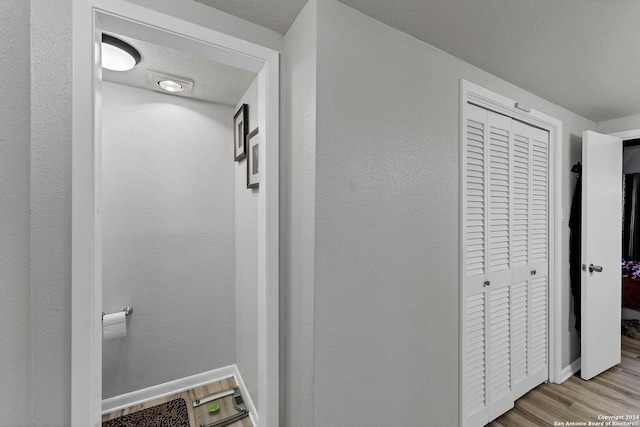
{"x":575,"y":248}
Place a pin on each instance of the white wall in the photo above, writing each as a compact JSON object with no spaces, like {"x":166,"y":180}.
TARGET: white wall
{"x":15,"y":316}
{"x":619,"y":125}
{"x":50,"y":212}
{"x":297,"y":212}
{"x":385,"y":285}
{"x":246,"y":261}
{"x":168,"y":236}
{"x":209,"y":17}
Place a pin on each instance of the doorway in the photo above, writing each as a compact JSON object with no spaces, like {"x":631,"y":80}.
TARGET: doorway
{"x":90,"y":18}
{"x":631,"y":258}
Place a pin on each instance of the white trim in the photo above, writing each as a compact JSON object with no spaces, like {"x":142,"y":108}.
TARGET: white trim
{"x":86,"y":323}
{"x":86,"y":306}
{"x":171,"y":387}
{"x":269,"y":246}
{"x":176,"y":386}
{"x":627,"y":134}
{"x":570,"y":370}
{"x":253,"y":413}
{"x":472,"y":93}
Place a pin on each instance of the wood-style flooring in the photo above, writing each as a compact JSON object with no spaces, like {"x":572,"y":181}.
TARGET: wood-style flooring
{"x":614,"y":392}
{"x":199,"y":415}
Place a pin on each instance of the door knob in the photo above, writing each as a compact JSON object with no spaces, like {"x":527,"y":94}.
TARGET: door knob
{"x":596,"y":268}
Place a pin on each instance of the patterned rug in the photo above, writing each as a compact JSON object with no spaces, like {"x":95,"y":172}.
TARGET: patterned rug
{"x":170,"y":414}
{"x":631,"y":328}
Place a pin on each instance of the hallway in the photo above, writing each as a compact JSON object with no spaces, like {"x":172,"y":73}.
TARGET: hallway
{"x":614,"y":392}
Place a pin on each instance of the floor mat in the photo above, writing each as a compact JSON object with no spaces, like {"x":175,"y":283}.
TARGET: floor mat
{"x":170,"y":414}
{"x":631,"y":328}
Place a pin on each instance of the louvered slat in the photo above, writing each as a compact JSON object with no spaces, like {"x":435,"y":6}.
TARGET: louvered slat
{"x":520,"y":202}
{"x":538,"y":338}
{"x":498,"y":199}
{"x":519,"y":332}
{"x":475,"y":204}
{"x":539,"y":197}
{"x":500,"y":344}
{"x":475,"y":354}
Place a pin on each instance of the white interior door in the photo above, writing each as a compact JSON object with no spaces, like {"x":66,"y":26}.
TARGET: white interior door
{"x":601,"y":252}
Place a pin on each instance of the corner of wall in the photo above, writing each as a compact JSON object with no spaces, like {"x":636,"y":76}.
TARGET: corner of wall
{"x":210,"y":17}
{"x":297,"y":241}
{"x":619,"y":125}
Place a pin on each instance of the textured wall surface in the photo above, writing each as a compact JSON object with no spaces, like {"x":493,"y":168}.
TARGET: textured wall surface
{"x":168,"y":236}
{"x":246,"y":261}
{"x":15,"y":316}
{"x":212,"y":18}
{"x":51,"y":212}
{"x":297,"y":213}
{"x":387,"y":227}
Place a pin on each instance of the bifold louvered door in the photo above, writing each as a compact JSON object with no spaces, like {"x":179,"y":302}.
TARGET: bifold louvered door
{"x":504,"y":262}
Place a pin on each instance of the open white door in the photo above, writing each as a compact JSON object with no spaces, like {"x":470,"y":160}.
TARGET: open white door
{"x":601,"y":286}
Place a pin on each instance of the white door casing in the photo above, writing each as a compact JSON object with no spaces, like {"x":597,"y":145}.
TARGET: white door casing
{"x":89,"y":16}
{"x":601,"y":291}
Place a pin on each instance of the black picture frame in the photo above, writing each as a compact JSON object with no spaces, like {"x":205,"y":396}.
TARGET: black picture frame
{"x":240,"y":127}
{"x":253,"y":161}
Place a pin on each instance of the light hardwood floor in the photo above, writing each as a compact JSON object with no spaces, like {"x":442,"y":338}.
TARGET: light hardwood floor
{"x":199,"y":415}
{"x":614,"y":392}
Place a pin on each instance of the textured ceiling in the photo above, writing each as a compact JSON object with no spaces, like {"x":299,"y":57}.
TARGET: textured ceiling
{"x":213,"y":82}
{"x":581,"y":54}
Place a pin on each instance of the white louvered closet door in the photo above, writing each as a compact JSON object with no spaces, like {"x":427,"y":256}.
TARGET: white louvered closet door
{"x":505,"y":262}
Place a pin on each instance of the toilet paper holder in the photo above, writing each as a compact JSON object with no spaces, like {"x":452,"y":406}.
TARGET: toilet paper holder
{"x":128,"y":310}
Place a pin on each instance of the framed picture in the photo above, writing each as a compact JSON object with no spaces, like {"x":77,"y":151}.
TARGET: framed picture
{"x":253,"y":163}
{"x":240,"y":127}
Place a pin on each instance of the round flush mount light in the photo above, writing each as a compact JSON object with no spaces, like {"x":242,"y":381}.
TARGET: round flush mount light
{"x":170,"y":86}
{"x":118,"y":55}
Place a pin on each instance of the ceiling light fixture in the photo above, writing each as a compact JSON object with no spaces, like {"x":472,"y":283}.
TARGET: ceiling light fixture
{"x":118,"y":55}
{"x":170,"y":86}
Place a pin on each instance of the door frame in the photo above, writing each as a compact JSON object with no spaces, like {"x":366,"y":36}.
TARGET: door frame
{"x":625,"y":135}
{"x":475,"y":94}
{"x":88,"y":16}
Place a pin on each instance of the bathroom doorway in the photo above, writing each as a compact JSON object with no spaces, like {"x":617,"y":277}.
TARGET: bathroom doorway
{"x":91,"y":18}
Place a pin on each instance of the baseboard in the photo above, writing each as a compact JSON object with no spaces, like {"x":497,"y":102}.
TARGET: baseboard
{"x":154,"y":392}
{"x":253,"y":413}
{"x":570,"y":370}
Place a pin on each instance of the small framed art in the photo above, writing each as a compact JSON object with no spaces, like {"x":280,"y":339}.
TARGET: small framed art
{"x":253,"y":163}
{"x":240,"y":127}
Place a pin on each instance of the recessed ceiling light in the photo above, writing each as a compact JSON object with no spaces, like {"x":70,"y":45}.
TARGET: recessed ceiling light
{"x":170,"y":86}
{"x":118,"y":55}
